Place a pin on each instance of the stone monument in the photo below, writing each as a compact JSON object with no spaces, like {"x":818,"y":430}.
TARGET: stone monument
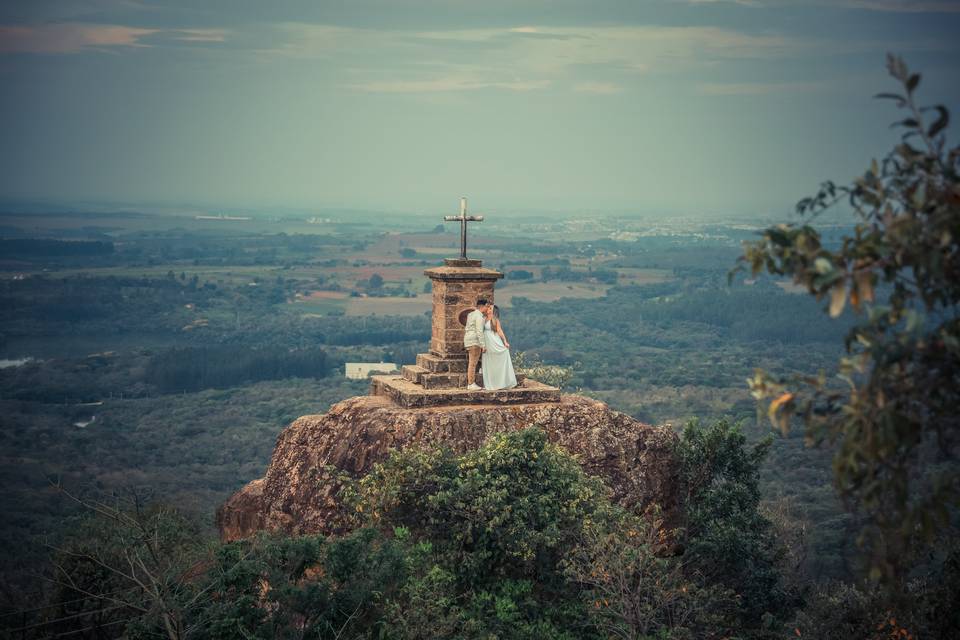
{"x":429,"y":406}
{"x":439,"y":376}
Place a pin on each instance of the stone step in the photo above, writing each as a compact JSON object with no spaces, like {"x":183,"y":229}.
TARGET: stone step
{"x":413,"y":373}
{"x":409,"y":395}
{"x":443,"y":380}
{"x":448,"y":380}
{"x":436,"y":364}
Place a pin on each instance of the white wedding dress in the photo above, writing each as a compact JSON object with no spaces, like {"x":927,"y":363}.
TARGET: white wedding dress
{"x":497,"y":366}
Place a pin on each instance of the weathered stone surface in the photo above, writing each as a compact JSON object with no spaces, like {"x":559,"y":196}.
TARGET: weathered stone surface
{"x":409,"y":395}
{"x":413,"y":373}
{"x":244,"y":511}
{"x":436,"y":364}
{"x":463,"y":273}
{"x":456,"y":287}
{"x":299,"y":494}
{"x":461,"y":262}
{"x":444,"y":380}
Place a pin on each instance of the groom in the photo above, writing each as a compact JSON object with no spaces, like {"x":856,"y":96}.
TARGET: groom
{"x":473,"y":341}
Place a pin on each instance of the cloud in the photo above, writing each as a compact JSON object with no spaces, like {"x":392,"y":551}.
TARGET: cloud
{"x":600,"y":88}
{"x":447,"y":84}
{"x":756,"y":88}
{"x":76,"y":11}
{"x":200,"y":35}
{"x":745,"y":3}
{"x":555,"y":48}
{"x":536,"y":32}
{"x":889,"y":6}
{"x":522,"y":58}
{"x":68,"y":37}
{"x":905,"y":6}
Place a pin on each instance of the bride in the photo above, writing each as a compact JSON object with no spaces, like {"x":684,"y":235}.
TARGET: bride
{"x":497,"y":366}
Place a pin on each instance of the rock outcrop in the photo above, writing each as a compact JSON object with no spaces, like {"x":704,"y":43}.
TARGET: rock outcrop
{"x":299,"y":493}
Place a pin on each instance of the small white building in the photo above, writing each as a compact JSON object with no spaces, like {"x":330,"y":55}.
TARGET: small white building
{"x":361,"y":370}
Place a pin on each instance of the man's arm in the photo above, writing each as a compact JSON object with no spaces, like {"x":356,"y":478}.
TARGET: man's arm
{"x":478,"y":327}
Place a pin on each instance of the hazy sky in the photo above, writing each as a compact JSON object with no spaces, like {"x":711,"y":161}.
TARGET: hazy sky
{"x":674,"y":106}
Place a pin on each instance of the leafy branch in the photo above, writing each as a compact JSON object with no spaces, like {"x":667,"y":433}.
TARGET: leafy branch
{"x":889,"y":410}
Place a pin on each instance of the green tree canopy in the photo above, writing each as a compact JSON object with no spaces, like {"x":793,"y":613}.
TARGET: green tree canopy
{"x":726,"y":536}
{"x":891,"y":410}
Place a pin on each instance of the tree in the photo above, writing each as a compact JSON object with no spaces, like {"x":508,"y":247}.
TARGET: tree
{"x":504,"y":510}
{"x":512,"y":540}
{"x":499,"y":522}
{"x":516,"y":541}
{"x":634,"y":590}
{"x":145,"y":571}
{"x":376,"y":281}
{"x":726,"y":536}
{"x":532,"y":366}
{"x":891,"y":412}
{"x":304,"y":587}
{"x":128,"y":564}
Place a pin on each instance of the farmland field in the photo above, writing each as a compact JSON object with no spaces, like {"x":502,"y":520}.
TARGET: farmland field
{"x":371,"y":306}
{"x":325,"y":302}
{"x":644,"y":276}
{"x":550,"y":291}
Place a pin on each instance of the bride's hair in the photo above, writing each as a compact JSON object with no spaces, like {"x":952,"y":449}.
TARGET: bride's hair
{"x":496,"y":312}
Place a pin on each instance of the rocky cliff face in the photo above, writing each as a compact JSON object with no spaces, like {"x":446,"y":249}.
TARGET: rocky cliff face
{"x":299,"y":493}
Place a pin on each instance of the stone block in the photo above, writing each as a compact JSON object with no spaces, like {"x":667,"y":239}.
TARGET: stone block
{"x":443,"y":380}
{"x":447,"y":350}
{"x":449,"y":273}
{"x":413,"y":373}
{"x":462,"y":262}
{"x":408,"y":395}
{"x":435,"y":364}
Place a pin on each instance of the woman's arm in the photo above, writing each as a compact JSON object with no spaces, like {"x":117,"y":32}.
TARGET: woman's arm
{"x":500,"y":333}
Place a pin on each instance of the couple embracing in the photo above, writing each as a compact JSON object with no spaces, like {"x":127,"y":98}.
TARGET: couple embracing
{"x":485,"y":342}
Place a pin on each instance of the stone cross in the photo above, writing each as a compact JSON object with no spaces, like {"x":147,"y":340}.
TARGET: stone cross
{"x":463,"y":219}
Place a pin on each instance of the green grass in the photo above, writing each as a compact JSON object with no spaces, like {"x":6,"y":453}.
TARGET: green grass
{"x":321,"y":307}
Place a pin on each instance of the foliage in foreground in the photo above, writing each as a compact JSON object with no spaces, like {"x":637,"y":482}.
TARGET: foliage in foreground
{"x":892,"y":410}
{"x":727,"y":537}
{"x":530,"y":547}
{"x":512,"y":540}
{"x":927,"y":609}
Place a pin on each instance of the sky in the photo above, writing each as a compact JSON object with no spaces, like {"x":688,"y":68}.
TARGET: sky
{"x":664,"y":107}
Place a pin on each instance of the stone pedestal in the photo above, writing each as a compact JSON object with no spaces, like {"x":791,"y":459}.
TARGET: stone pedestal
{"x":439,"y":377}
{"x":457,"y":286}
{"x":411,"y":395}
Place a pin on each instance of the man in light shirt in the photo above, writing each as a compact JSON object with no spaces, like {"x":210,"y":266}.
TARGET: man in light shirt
{"x":473,"y":342}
